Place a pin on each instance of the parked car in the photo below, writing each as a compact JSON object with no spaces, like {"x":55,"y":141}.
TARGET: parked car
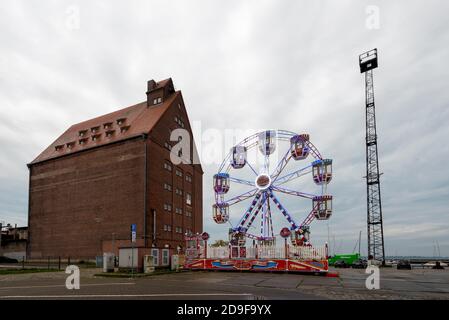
{"x":404,"y":264}
{"x":341,"y":264}
{"x":360,"y":264}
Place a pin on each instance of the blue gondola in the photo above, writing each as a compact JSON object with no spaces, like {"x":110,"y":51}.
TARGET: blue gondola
{"x":322,"y":171}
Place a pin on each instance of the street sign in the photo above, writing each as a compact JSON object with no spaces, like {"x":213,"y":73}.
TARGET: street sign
{"x":133,"y":232}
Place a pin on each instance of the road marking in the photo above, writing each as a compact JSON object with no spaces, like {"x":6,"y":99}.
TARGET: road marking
{"x":84,"y":285}
{"x":126,"y":295}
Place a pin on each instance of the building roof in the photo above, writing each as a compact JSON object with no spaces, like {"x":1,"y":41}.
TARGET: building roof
{"x":120,"y":125}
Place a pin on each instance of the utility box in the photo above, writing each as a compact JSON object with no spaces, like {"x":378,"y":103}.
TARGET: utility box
{"x":108,"y":262}
{"x":129,"y":259}
{"x":175,"y":262}
{"x":148,"y":264}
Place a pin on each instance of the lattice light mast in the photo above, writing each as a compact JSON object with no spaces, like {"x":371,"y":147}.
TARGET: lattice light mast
{"x":376,"y":250}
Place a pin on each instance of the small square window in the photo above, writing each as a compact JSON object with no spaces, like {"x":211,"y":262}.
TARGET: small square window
{"x":121,"y":121}
{"x":124,"y":129}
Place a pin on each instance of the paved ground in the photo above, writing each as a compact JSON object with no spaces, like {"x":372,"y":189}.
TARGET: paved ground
{"x":395,"y":284}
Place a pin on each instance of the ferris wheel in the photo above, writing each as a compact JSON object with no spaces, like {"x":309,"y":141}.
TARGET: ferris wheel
{"x":269,"y":183}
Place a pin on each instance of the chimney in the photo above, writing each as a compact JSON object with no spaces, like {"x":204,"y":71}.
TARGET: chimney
{"x":151,"y":85}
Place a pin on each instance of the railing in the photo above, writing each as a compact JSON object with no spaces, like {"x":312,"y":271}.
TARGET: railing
{"x":307,"y":253}
{"x":267,"y":252}
{"x":50,"y":263}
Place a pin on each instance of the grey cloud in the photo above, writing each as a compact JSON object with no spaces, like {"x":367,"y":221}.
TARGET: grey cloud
{"x":255,"y":64}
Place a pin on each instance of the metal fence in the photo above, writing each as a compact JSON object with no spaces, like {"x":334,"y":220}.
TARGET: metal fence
{"x":267,"y":252}
{"x":52,"y":263}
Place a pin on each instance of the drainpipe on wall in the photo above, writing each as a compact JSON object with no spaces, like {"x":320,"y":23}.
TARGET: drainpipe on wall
{"x":154,"y":226}
{"x":145,"y":191}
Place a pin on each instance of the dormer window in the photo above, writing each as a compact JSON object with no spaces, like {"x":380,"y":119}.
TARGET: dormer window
{"x":121,"y":121}
{"x":82,"y":141}
{"x":124,"y":129}
{"x":96,"y":137}
{"x":167,"y":146}
{"x":157,"y":100}
{"x":59,"y":147}
{"x":110,"y":133}
{"x":82,"y":133}
{"x":70,"y":145}
{"x":95,"y":129}
{"x":107,"y":125}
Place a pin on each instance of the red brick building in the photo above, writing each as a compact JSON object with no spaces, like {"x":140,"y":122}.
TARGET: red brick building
{"x":104,"y":174}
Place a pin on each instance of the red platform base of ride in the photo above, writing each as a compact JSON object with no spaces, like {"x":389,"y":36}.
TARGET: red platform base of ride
{"x":258,"y":265}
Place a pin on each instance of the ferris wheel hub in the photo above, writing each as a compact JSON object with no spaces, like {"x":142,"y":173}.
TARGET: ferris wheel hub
{"x":263,"y":181}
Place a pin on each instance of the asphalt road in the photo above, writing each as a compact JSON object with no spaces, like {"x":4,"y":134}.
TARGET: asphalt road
{"x":394,"y":284}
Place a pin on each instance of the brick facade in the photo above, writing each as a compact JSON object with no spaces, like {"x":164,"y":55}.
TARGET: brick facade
{"x":82,"y":202}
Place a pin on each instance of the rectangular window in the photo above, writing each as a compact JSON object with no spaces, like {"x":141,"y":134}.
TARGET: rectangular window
{"x":167,"y":146}
{"x":167,"y":166}
{"x":165,"y":257}
{"x":121,"y":121}
{"x":167,"y":187}
{"x":155,"y":254}
{"x":167,"y":207}
{"x":110,"y":133}
{"x":188,"y":178}
{"x":189,"y":199}
{"x":95,"y":129}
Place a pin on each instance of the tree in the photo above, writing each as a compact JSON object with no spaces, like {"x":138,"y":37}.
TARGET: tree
{"x":220,"y":243}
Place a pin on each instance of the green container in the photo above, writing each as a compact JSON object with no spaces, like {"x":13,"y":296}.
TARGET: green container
{"x":349,"y":258}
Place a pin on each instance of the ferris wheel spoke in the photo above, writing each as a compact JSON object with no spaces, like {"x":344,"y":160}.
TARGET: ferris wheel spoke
{"x":281,"y":165}
{"x":313,"y":150}
{"x":310,"y":217}
{"x":294,"y":192}
{"x":242,"y":181}
{"x":240,"y":197}
{"x":284,"y":211}
{"x":294,"y":175}
{"x":252,"y":168}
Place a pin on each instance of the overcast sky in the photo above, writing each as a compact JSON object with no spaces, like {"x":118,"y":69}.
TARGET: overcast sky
{"x":246,"y":64}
